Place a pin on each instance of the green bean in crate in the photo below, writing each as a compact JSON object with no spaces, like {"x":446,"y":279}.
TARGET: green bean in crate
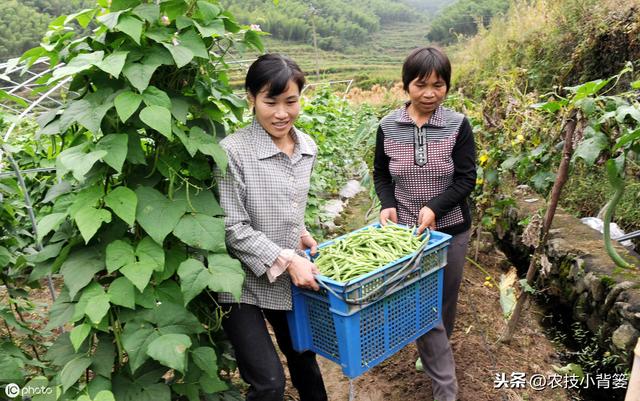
{"x":367,"y":250}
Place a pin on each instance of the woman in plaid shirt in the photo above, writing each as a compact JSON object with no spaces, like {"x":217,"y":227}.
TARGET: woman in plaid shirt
{"x":424,"y":171}
{"x":264,"y":194}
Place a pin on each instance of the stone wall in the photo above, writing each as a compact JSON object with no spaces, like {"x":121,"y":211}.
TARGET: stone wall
{"x":577,"y":272}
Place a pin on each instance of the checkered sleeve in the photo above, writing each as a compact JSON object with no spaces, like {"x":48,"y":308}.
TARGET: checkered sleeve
{"x":250,"y":246}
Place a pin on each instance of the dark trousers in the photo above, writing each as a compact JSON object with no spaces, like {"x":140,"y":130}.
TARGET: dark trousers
{"x":434,"y":347}
{"x":258,"y":360}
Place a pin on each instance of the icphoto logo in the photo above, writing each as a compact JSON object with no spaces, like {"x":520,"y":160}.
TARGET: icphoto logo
{"x":12,"y":390}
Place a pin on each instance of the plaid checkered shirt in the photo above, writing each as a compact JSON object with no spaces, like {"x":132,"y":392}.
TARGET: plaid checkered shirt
{"x":264,"y":195}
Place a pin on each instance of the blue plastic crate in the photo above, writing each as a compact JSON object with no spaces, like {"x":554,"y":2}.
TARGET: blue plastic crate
{"x":358,"y":337}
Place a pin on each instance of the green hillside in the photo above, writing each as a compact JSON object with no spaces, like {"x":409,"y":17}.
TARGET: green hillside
{"x":338,"y":24}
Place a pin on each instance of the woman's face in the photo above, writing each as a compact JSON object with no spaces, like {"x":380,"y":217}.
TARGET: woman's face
{"x":428,"y":93}
{"x":277,"y":114}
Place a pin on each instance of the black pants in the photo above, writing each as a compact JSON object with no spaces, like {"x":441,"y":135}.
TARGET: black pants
{"x":258,"y":360}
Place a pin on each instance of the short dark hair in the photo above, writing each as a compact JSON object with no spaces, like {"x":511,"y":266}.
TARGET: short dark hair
{"x":421,"y":62}
{"x":273,"y":71}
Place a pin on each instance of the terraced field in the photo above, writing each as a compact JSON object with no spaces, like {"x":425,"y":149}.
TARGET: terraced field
{"x":376,"y":62}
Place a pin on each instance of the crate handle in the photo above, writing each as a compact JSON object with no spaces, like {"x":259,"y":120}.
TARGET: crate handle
{"x":415,"y":260}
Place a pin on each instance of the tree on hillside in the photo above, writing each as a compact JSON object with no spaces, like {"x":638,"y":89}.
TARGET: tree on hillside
{"x":430,"y":6}
{"x":339,"y":23}
{"x":55,"y":8}
{"x":462,"y":18}
{"x":21,"y":28}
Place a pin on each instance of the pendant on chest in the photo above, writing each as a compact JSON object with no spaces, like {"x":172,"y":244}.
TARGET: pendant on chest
{"x":420,"y":146}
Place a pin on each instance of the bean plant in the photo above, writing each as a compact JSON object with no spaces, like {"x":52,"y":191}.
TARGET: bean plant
{"x":132,"y":225}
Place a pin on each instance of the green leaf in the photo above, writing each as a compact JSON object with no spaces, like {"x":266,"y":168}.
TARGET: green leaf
{"x":5,"y":95}
{"x":139,"y":74}
{"x":89,"y":219}
{"x":139,"y":273}
{"x":150,"y":252}
{"x":103,"y":358}
{"x":214,"y":29}
{"x":158,"y":118}
{"x":206,"y":144}
{"x":156,"y":214}
{"x":87,"y":197}
{"x":201,"y":231}
{"x":207,"y":360}
{"x":131,"y":26}
{"x":123,"y":201}
{"x":615,"y":171}
{"x":81,"y":62}
{"x":126,"y":104}
{"x":110,"y":20}
{"x":119,"y":254}
{"x":228,"y":274}
{"x":189,"y":145}
{"x":158,"y":34}
{"x":61,"y":311}
{"x":136,"y":337}
{"x":194,"y":277}
{"x":543,"y":179}
{"x":212,"y":385}
{"x":173,"y":258}
{"x":83,"y":17}
{"x":79,"y":334}
{"x":86,"y":112}
{"x":252,"y":38}
{"x":627,"y":138}
{"x":135,"y":154}
{"x":121,"y":292}
{"x":5,"y":256}
{"x":11,"y":369}
{"x":208,"y":12}
{"x":49,"y":223}
{"x":192,"y":41}
{"x":170,"y":350}
{"x":61,"y":352}
{"x":148,"y":12}
{"x":113,"y":63}
{"x":80,"y":267}
{"x":150,"y":258}
{"x":524,"y":284}
{"x":590,"y":148}
{"x":169,"y":291}
{"x":104,"y":396}
{"x":181,"y":55}
{"x":625,"y":111}
{"x":116,"y":147}
{"x":72,"y":371}
{"x":174,"y":9}
{"x":173,"y":318}
{"x":183,"y":22}
{"x":146,"y":299}
{"x":88,"y":293}
{"x":180,"y":109}
{"x":154,"y":96}
{"x":97,"y":308}
{"x":74,"y":159}
{"x":201,"y":202}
